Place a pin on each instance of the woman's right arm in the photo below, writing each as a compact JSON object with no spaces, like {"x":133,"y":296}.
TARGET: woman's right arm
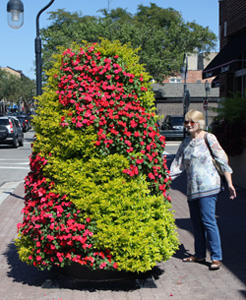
{"x":177,"y":166}
{"x":231,"y":188}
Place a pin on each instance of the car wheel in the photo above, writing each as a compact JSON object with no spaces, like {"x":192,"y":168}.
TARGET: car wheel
{"x":3,"y":132}
{"x":15,"y":142}
{"x":21,"y":143}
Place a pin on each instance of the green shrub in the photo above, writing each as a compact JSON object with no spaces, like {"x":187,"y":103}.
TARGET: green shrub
{"x":97,"y":190}
{"x":230,"y":125}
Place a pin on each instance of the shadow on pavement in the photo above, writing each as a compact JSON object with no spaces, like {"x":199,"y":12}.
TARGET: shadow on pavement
{"x":232,"y":224}
{"x":21,"y":272}
{"x":15,"y":195}
{"x":231,"y":218}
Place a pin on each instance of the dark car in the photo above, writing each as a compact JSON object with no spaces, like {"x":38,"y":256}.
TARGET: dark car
{"x":11,"y":131}
{"x":25,"y":122}
{"x":173,"y":126}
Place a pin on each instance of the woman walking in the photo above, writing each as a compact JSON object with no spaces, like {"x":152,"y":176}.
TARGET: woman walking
{"x":204,"y":184}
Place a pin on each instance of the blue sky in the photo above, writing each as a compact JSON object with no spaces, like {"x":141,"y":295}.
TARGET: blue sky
{"x":17,"y":45}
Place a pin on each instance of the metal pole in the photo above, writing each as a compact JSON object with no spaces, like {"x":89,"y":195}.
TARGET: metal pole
{"x":38,"y":52}
{"x":207,"y":89}
{"x":185,"y":68}
{"x":207,"y":111}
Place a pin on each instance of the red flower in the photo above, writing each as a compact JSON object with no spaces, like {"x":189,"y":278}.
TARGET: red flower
{"x":133,"y":123}
{"x":151,"y":176}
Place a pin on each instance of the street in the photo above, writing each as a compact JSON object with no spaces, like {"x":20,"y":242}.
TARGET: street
{"x":14,"y":163}
{"x":172,"y":147}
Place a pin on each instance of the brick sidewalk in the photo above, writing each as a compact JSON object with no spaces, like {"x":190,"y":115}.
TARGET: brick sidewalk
{"x":178,"y":281}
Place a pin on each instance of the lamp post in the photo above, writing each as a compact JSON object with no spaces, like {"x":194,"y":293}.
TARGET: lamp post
{"x":186,"y":96}
{"x":38,"y":51}
{"x":15,"y":9}
{"x":205,"y":102}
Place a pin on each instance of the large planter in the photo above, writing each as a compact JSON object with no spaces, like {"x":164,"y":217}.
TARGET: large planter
{"x":83,"y":273}
{"x":238,"y":164}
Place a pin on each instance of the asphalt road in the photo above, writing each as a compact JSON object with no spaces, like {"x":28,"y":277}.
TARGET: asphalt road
{"x":14,"y":162}
{"x":172,"y":147}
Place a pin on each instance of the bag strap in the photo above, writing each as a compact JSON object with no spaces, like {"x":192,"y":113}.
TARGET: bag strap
{"x":207,"y":143}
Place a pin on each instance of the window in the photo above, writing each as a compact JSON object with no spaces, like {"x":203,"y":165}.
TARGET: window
{"x":225,"y":28}
{"x":174,"y":80}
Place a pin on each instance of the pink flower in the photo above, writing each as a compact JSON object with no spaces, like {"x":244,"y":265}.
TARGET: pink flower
{"x":103,"y":265}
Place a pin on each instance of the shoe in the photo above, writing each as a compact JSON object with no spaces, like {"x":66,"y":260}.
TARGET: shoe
{"x":193,"y":259}
{"x":215,"y":265}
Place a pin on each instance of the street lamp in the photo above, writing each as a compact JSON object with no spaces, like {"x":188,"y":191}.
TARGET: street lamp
{"x":15,"y":9}
{"x":186,"y":97}
{"x":38,"y":51}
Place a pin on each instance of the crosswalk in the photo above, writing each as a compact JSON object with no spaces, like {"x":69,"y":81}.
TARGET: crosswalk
{"x":21,"y":164}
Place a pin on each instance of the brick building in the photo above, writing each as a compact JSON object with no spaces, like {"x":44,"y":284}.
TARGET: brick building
{"x":169,"y":94}
{"x":230,"y":64}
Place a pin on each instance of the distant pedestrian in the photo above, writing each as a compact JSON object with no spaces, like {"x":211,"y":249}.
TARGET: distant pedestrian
{"x":204,"y":184}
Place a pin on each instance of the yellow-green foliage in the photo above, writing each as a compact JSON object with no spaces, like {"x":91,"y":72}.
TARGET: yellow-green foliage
{"x":138,"y":227}
{"x":25,"y":248}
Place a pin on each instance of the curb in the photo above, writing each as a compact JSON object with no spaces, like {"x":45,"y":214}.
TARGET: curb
{"x":7,"y":189}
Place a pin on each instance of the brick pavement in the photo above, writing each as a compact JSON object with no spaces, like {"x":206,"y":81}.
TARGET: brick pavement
{"x":175,"y":280}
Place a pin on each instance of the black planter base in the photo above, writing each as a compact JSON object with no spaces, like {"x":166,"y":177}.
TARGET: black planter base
{"x":83,"y":273}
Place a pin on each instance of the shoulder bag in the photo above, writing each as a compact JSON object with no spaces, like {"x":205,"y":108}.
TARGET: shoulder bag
{"x":216,"y":164}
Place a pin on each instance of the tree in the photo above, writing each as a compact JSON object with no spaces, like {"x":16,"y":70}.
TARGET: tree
{"x":25,"y":91}
{"x":14,"y":89}
{"x":161,"y":35}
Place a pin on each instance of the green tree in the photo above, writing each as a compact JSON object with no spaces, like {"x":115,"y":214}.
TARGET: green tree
{"x":14,"y":89}
{"x":7,"y":85}
{"x":25,"y":91}
{"x":161,"y":35}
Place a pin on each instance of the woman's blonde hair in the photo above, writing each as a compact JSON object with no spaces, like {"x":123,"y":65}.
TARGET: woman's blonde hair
{"x":197,"y":116}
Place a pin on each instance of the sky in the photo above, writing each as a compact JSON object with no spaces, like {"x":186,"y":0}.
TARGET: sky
{"x":17,"y":45}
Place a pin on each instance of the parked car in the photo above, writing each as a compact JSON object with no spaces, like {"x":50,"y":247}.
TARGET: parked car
{"x":173,"y":126}
{"x":11,"y":131}
{"x":25,"y":122}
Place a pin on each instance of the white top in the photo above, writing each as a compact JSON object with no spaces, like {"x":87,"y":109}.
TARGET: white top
{"x":194,"y":156}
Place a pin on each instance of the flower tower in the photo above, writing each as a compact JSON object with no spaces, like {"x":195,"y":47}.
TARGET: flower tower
{"x":96,"y":194}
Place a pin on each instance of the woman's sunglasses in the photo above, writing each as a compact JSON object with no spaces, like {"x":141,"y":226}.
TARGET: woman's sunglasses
{"x":192,"y":123}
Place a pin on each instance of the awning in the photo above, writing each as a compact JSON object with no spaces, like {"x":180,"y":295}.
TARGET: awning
{"x":226,"y":60}
{"x":216,"y":82}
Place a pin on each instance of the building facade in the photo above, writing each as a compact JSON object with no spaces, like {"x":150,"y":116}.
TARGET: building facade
{"x":169,"y":95}
{"x":229,"y":66}
{"x":14,"y":72}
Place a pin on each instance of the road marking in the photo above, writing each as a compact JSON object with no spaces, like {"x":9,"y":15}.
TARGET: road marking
{"x":15,"y":167}
{"x":173,"y":144}
{"x":13,"y":163}
{"x":10,"y":159}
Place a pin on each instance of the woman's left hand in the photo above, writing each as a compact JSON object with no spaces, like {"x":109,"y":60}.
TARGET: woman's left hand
{"x":232,"y":191}
{"x":231,"y":188}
